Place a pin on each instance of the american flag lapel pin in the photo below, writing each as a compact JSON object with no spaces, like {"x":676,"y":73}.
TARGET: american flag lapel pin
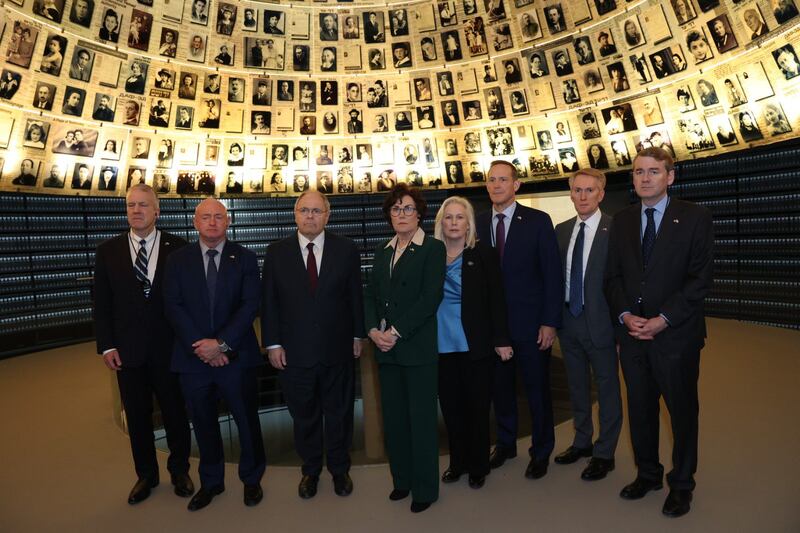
{"x":675,"y":221}
{"x":519,"y":217}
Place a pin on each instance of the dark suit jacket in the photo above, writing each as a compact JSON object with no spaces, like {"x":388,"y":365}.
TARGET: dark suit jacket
{"x":531,"y":271}
{"x":483,"y":301}
{"x":235,"y":305}
{"x":407,"y":300}
{"x":317,"y":328}
{"x":595,"y":307}
{"x":677,"y":278}
{"x":123,"y":318}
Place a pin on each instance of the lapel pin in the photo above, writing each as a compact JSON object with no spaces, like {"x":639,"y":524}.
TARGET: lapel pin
{"x":519,"y":217}
{"x":604,"y":229}
{"x":470,"y":263}
{"x":232,"y":256}
{"x":166,"y":243}
{"x":674,"y":220}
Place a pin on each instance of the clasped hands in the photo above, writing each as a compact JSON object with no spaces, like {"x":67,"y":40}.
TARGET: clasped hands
{"x":644,"y":329}
{"x":208,"y":352}
{"x":384,"y":340}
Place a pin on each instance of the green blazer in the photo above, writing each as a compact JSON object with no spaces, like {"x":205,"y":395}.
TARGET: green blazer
{"x":408,"y":300}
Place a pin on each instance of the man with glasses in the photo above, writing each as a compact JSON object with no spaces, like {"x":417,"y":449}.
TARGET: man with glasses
{"x":312,"y":325}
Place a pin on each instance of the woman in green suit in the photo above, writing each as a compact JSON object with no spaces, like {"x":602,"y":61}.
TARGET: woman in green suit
{"x":400,"y":312}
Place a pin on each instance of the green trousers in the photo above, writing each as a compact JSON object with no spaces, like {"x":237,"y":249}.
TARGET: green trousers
{"x":410,"y":426}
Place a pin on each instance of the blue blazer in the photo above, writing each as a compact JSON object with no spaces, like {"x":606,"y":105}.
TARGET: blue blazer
{"x":531,"y":271}
{"x":236,"y":304}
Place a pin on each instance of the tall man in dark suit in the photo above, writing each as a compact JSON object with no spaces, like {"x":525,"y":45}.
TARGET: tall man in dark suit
{"x":312,"y":325}
{"x":526,"y":243}
{"x":135,"y":340}
{"x":212,"y":298}
{"x":659,"y":272}
{"x":587,"y":335}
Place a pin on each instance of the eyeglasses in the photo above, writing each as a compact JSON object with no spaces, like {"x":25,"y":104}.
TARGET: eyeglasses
{"x":315,"y":212}
{"x":407,"y":210}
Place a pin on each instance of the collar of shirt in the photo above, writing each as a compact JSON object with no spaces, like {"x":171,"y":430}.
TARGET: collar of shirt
{"x":148,"y":241}
{"x":219,"y":247}
{"x":508,"y":212}
{"x":591,"y":223}
{"x":418,"y":239}
{"x":660,"y":208}
{"x":319,"y":246}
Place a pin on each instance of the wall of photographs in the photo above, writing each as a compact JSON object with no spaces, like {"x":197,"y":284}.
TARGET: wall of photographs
{"x":238,"y":97}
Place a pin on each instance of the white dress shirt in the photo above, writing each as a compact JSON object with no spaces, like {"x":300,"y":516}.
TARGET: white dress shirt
{"x":589,"y":231}
{"x":509,"y":213}
{"x":151,"y":245}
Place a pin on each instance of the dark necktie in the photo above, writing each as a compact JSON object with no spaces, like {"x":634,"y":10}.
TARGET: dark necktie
{"x":211,"y":279}
{"x":311,"y":267}
{"x":140,"y":268}
{"x":500,"y":235}
{"x":649,"y":237}
{"x":576,"y":275}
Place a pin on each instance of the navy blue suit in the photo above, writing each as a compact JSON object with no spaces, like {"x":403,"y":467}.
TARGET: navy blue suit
{"x":533,"y":282}
{"x":236,"y":304}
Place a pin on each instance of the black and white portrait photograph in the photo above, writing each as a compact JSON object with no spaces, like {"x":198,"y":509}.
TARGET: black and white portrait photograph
{"x":784,"y":10}
{"x":82,"y":175}
{"x":197,"y":49}
{"x":495,"y":109}
{"x":444,"y":81}
{"x":226,"y":18}
{"x":209,"y":112}
{"x":274,"y":22}
{"x":328,"y":27}
{"x":451,"y":44}
{"x":684,"y":10}
{"x":447,"y":13}
{"x":249,"y":19}
{"x":107,"y":180}
{"x":529,"y":26}
{"x":568,"y":160}
{"x":605,"y":43}
{"x":199,"y":12}
{"x":475,"y":34}
{"x":168,"y":43}
{"x":583,"y":50}
{"x":376,"y":59}
{"x":632,"y":29}
{"x":53,"y":55}
{"x":775,"y":119}
{"x":402,"y":121}
{"x":597,"y":156}
{"x":81,"y":12}
{"x":139,"y":30}
{"x":184,"y":117}
{"x":519,"y":102}
{"x":722,"y":33}
{"x":589,"y":127}
{"x":450,"y":115}
{"x":236,"y":90}
{"x":569,"y":90}
{"x":54,"y":178}
{"x":401,"y":55}
{"x":44,"y":96}
{"x":137,"y":75}
{"x":9,"y":83}
{"x":619,"y":118}
{"x":537,"y":64}
{"x":103,"y":107}
{"x":562,"y":62}
{"x":786,"y":59}
{"x":374,"y":31}
{"x":471,"y":110}
{"x":301,"y":57}
{"x":501,"y":37}
{"x":35,"y":135}
{"x":554,"y":15}
{"x":74,"y":100}
{"x":350,"y":27}
{"x":52,"y":10}
{"x":225,"y":55}
{"x":21,"y":44}
{"x":327,"y":61}
{"x":81,"y":66}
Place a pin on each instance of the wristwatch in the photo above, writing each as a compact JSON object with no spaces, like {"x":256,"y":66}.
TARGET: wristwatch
{"x":223,"y":347}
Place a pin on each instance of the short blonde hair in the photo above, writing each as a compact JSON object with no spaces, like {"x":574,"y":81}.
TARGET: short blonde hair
{"x":144,"y":188}
{"x":591,"y":172}
{"x":463,"y":202}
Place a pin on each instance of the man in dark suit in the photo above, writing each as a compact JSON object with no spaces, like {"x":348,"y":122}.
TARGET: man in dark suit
{"x":658,"y":274}
{"x":135,"y":340}
{"x":587,"y":335}
{"x":526,"y":243}
{"x":212,"y":297}
{"x":312,"y":326}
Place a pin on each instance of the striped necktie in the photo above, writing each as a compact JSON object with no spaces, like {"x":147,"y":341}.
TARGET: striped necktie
{"x":140,"y":267}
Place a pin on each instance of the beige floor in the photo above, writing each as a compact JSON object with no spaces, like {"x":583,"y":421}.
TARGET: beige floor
{"x":66,"y":466}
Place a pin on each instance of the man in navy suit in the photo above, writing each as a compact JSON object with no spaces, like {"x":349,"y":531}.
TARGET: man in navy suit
{"x":135,"y":340}
{"x":587,"y":335}
{"x":526,"y":242}
{"x":660,"y":268}
{"x":212,"y":296}
{"x":312,"y":323}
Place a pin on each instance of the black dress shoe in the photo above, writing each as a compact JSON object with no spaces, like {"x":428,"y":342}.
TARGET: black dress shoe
{"x":204,"y":497}
{"x":418,"y":507}
{"x":399,"y":494}
{"x":677,"y":503}
{"x":183,"y":484}
{"x":536,"y":469}
{"x":476,"y":482}
{"x":141,"y":490}
{"x":597,"y":469}
{"x":342,"y":484}
{"x":499,"y":456}
{"x":308,"y":487}
{"x":572,"y":454}
{"x":451,"y":476}
{"x":639,"y":487}
{"x":253,"y":494}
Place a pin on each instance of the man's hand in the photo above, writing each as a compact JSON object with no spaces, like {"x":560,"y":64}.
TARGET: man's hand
{"x":206,"y":349}
{"x":277,"y":357}
{"x":384,"y":340}
{"x":358,"y":346}
{"x":505,"y":352}
{"x":220,"y":360}
{"x":642,"y":328}
{"x":112,"y":360}
{"x":547,"y":334}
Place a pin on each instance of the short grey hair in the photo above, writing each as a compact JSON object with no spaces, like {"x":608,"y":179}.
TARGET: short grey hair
{"x":144,"y":188}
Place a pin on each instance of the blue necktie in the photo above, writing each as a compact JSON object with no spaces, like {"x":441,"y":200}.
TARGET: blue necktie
{"x":140,"y":268}
{"x":576,"y":275}
{"x":211,"y":279}
{"x":649,"y":237}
